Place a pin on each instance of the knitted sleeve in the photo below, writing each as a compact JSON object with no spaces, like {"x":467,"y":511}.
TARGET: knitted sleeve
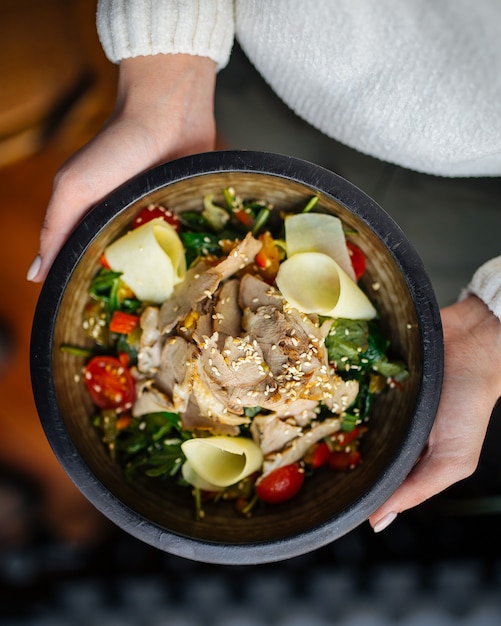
{"x":486,"y":285}
{"x":130,"y":28}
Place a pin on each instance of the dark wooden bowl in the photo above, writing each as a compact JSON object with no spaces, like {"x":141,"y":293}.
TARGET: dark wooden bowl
{"x":161,"y":513}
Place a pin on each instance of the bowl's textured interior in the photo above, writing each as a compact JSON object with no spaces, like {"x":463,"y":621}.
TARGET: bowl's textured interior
{"x":160,"y":512}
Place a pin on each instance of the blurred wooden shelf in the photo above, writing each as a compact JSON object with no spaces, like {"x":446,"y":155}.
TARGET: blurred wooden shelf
{"x":49,"y":51}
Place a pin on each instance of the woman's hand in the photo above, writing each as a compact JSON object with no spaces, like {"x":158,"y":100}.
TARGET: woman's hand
{"x":471,"y":387}
{"x":164,"y":109}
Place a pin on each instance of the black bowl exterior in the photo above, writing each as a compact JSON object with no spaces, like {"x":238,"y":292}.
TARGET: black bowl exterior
{"x":331,"y":506}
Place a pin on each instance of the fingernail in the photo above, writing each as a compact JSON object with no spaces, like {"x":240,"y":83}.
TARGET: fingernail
{"x":384,"y":522}
{"x":34,"y":268}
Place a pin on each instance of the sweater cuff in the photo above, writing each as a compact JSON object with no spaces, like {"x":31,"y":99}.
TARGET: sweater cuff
{"x":128,"y":28}
{"x":486,"y":285}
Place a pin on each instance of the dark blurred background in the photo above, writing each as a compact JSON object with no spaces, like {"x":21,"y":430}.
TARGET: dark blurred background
{"x":60,"y":562}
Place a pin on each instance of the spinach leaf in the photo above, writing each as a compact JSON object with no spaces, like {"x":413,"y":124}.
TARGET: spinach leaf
{"x":152,"y":443}
{"x":107,"y":287}
{"x":347,"y":341}
{"x":358,"y":350}
{"x":200,"y":244}
{"x":193,"y":220}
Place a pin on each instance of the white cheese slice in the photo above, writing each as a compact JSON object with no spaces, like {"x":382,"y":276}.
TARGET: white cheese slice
{"x":318,"y":232}
{"x":313,"y":282}
{"x":220,"y":461}
{"x":151,"y":259}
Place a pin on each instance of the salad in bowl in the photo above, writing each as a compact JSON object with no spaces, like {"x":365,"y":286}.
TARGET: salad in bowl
{"x":234,"y":349}
{"x":237,"y":357}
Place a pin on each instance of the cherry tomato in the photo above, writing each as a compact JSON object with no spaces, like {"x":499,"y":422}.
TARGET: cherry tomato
{"x":281,"y":484}
{"x":343,"y":460}
{"x":318,"y":455}
{"x":357,"y":259}
{"x":153,"y":211}
{"x":109,"y":383}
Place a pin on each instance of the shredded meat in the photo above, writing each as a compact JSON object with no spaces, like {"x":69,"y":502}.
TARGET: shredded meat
{"x":298,"y":447}
{"x":227,"y":316}
{"x":198,"y":284}
{"x":202,"y":281}
{"x":149,"y":342}
{"x":254,"y":293}
{"x":175,"y":358}
{"x":271,"y":434}
{"x":151,"y":400}
{"x":226,"y":341}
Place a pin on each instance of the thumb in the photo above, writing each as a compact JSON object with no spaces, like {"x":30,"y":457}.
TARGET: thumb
{"x":430,"y":476}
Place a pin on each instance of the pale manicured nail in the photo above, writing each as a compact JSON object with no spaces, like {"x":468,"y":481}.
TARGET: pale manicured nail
{"x":34,"y":268}
{"x":384,"y":522}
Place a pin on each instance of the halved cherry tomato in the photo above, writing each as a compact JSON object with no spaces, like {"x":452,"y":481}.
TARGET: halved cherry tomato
{"x":357,"y":259}
{"x":280,"y":484}
{"x":318,"y":455}
{"x":153,"y":211}
{"x":123,"y":323}
{"x":109,"y":383}
{"x":341,"y":460}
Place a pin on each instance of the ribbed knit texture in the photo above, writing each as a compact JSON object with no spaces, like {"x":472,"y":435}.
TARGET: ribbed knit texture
{"x":416,"y":83}
{"x":486,"y":285}
{"x":130,"y":28}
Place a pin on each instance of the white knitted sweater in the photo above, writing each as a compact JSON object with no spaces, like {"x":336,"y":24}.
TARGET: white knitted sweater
{"x":416,"y":83}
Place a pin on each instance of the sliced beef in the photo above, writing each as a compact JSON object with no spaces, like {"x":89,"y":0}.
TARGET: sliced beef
{"x":227,"y":315}
{"x":202,"y":281}
{"x":176,"y":355}
{"x":198,"y":284}
{"x":254,"y":292}
{"x":151,"y":400}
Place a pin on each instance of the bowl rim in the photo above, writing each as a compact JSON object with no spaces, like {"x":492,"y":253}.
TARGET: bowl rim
{"x":299,"y":171}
